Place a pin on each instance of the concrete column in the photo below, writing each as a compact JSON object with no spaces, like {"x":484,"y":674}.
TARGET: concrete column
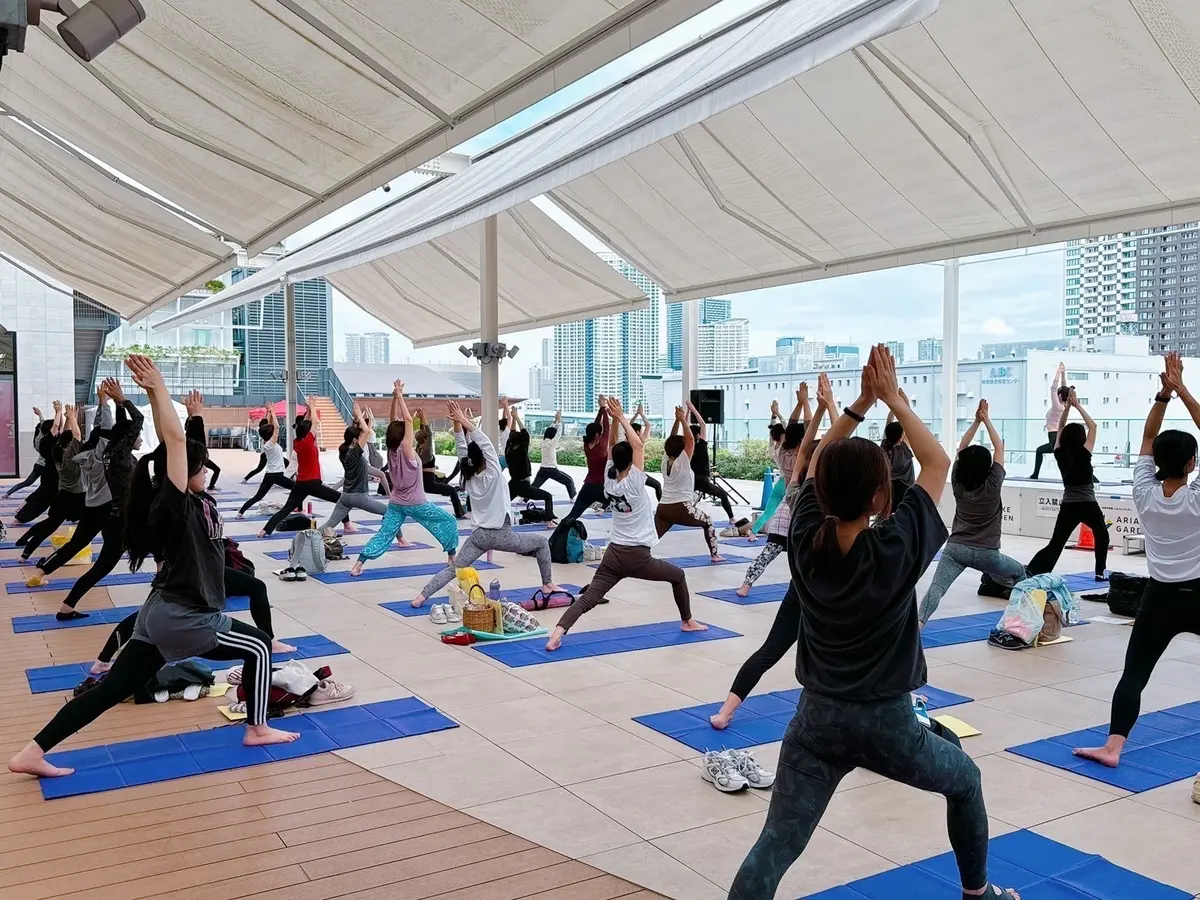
{"x":489,"y":328}
{"x":949,"y":427}
{"x":289,"y":356}
{"x":691,"y":347}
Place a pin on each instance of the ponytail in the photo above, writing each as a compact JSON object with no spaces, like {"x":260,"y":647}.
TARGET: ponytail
{"x":826,"y":550}
{"x":139,"y":536}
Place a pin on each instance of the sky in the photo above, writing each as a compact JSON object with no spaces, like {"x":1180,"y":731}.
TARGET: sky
{"x":1005,"y":298}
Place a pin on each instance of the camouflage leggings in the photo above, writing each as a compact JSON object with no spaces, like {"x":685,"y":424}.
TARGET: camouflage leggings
{"x":826,"y":740}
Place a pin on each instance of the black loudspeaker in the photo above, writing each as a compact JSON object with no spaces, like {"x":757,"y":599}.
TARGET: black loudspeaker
{"x":711,"y":404}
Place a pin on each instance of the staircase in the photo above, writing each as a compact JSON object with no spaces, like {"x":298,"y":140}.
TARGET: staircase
{"x":330,"y":427}
{"x":92,"y":325}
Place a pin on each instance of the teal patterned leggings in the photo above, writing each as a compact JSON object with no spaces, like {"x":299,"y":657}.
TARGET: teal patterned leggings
{"x":826,"y":740}
{"x":433,"y":518}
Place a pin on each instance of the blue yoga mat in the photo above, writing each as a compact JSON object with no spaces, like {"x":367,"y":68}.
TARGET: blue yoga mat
{"x":286,"y":535}
{"x":158,"y":759}
{"x":1083,"y":582}
{"x":512,"y":595}
{"x":321,"y":517}
{"x":385,"y":572}
{"x":958,"y":629}
{"x":46,"y":679}
{"x":110,"y":616}
{"x":693,"y":562}
{"x":1037,"y":867}
{"x":413,"y":545}
{"x":745,"y":542}
{"x":1164,"y":747}
{"x":65,"y":584}
{"x":762,"y":719}
{"x":759,"y":593}
{"x":602,"y":642}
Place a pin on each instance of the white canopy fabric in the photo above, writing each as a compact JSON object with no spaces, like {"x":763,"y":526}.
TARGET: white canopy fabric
{"x":68,"y":218}
{"x":149,"y":436}
{"x":992,"y":125}
{"x":732,"y":66}
{"x":261,"y":116}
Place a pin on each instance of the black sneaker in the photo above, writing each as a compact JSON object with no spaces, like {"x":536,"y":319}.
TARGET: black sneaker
{"x":301,"y":574}
{"x":288,"y":574}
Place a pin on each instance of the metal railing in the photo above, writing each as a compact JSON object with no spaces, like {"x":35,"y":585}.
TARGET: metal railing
{"x":331,"y":386}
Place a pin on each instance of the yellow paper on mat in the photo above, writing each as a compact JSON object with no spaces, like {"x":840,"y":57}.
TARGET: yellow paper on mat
{"x":1061,"y":639}
{"x":232,"y":716}
{"x":958,"y":726}
{"x":219,"y":690}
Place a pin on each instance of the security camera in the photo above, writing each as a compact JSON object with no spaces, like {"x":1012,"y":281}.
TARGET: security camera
{"x":387,"y":188}
{"x":97,"y":25}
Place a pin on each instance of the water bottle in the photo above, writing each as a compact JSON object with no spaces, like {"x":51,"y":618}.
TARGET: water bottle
{"x":494,"y":589}
{"x":312,"y":520}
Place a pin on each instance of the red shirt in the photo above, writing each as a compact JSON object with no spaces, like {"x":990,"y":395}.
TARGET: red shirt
{"x":308,"y":459}
{"x":597,"y":454}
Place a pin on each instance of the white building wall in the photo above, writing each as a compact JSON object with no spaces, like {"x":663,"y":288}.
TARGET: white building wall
{"x":44,"y":320}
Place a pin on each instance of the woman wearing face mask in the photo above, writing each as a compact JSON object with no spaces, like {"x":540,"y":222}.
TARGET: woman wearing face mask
{"x":169,"y":517}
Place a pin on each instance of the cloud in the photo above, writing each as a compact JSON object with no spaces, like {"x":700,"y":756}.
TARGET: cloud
{"x":996,"y":326}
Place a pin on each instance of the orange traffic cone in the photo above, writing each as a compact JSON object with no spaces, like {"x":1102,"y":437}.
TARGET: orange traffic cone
{"x":1087,"y":540}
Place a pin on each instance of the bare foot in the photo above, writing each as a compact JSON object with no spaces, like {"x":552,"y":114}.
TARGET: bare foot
{"x":403,"y":542}
{"x":1106,"y":755}
{"x":31,"y":760}
{"x":281,"y":647}
{"x":716,"y":559}
{"x":349,"y":528}
{"x":489,"y":556}
{"x":263,"y":533}
{"x":356,"y":570}
{"x":418,"y":601}
{"x":241,"y":515}
{"x":99,"y":668}
{"x":261,"y":735}
{"x":551,"y":588}
{"x":744,"y":590}
{"x":693,"y":625}
{"x":556,"y":638}
{"x":720,"y":720}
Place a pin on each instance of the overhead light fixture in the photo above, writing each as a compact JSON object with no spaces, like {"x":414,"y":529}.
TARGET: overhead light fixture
{"x":88,"y":30}
{"x":512,"y":351}
{"x":464,"y":350}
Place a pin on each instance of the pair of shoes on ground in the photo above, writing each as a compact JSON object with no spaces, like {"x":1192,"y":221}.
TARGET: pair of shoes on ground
{"x":299,"y":573}
{"x":443,"y":614}
{"x":730,"y":771}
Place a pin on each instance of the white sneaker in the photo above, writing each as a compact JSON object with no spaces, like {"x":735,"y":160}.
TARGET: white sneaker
{"x":437,"y":614}
{"x":719,"y":771}
{"x":192,"y":692}
{"x":728,"y":532}
{"x":452,"y":614}
{"x":747,"y":766}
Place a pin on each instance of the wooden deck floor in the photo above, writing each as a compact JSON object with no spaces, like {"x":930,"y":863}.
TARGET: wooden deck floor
{"x":306,"y":829}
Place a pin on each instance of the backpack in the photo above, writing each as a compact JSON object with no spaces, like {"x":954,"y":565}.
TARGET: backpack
{"x":532,"y":514}
{"x":567,"y":541}
{"x":295,"y":522}
{"x":235,"y":559}
{"x":308,"y":552}
{"x":990,"y":587}
{"x":1125,"y":593}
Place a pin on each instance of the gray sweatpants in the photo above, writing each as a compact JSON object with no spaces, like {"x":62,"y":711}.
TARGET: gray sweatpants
{"x":364,"y":501}
{"x":481,"y":540}
{"x":955,"y":558}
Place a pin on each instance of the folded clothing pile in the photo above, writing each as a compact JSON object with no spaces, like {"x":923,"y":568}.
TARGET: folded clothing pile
{"x":293,"y":685}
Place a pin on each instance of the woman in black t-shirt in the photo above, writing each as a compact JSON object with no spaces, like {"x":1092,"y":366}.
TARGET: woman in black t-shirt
{"x":859,"y":652}
{"x":184,"y":614}
{"x":516,"y":451}
{"x":1073,"y":453}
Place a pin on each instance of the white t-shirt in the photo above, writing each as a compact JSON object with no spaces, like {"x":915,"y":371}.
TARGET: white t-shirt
{"x":275,"y":464}
{"x":488,"y":490}
{"x":633,"y":516}
{"x":1171,"y":525}
{"x":550,"y":453}
{"x":679,"y":482}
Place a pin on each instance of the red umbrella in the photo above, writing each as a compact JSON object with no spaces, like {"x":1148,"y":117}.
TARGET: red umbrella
{"x":280,"y":408}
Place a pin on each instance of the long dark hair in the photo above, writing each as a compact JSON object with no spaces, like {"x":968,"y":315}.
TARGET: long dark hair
{"x":893,"y":434}
{"x":141,"y":537}
{"x":850,"y":473}
{"x":474,"y":462}
{"x":622,"y":458}
{"x":349,"y":438}
{"x":394,"y":436}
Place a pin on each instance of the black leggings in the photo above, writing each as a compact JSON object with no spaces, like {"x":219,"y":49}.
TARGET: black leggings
{"x":34,"y":474}
{"x":66,"y":506}
{"x":237,"y":584}
{"x":1168,"y":610}
{"x":556,"y":474}
{"x":1048,"y":447}
{"x":37,"y":502}
{"x":781,"y":637}
{"x":520,"y":487}
{"x":705,"y":485}
{"x":270,"y":480}
{"x":140,"y":661}
{"x":215,"y":469}
{"x":262,"y":464}
{"x":588,"y":494}
{"x":92,"y":521}
{"x":1070,"y":516}
{"x":435,"y":485}
{"x":110,"y":554}
{"x":301,"y":492}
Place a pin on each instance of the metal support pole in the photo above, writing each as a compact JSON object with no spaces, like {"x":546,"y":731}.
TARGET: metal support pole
{"x":489,"y":329}
{"x":949,"y":429}
{"x":691,"y":348}
{"x":290,"y":364}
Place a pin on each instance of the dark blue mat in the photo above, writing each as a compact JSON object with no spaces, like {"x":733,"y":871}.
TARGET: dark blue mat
{"x":465,"y":528}
{"x":1164,"y":747}
{"x":321,"y":517}
{"x":413,"y":545}
{"x":110,"y":616}
{"x":286,"y":535}
{"x":384,"y":572}
{"x":65,"y":584}
{"x":1081,"y":582}
{"x":759,"y":593}
{"x":532,"y":652}
{"x":1037,"y":867}
{"x":692,"y":562}
{"x":762,"y":719}
{"x":44,"y":550}
{"x":152,"y":760}
{"x":45,"y":679}
{"x":512,"y":595}
{"x":960,"y":629}
{"x":745,"y":542}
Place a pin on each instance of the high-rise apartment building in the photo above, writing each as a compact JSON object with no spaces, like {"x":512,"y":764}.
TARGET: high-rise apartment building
{"x":372,"y":348}
{"x":262,"y":348}
{"x":897,"y":348}
{"x":725,"y":346}
{"x":929,"y":350}
{"x":711,"y":312}
{"x":1100,"y":285}
{"x":1168,"y":288}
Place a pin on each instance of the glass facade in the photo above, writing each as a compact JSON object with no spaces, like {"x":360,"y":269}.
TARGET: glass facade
{"x":263,"y":349}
